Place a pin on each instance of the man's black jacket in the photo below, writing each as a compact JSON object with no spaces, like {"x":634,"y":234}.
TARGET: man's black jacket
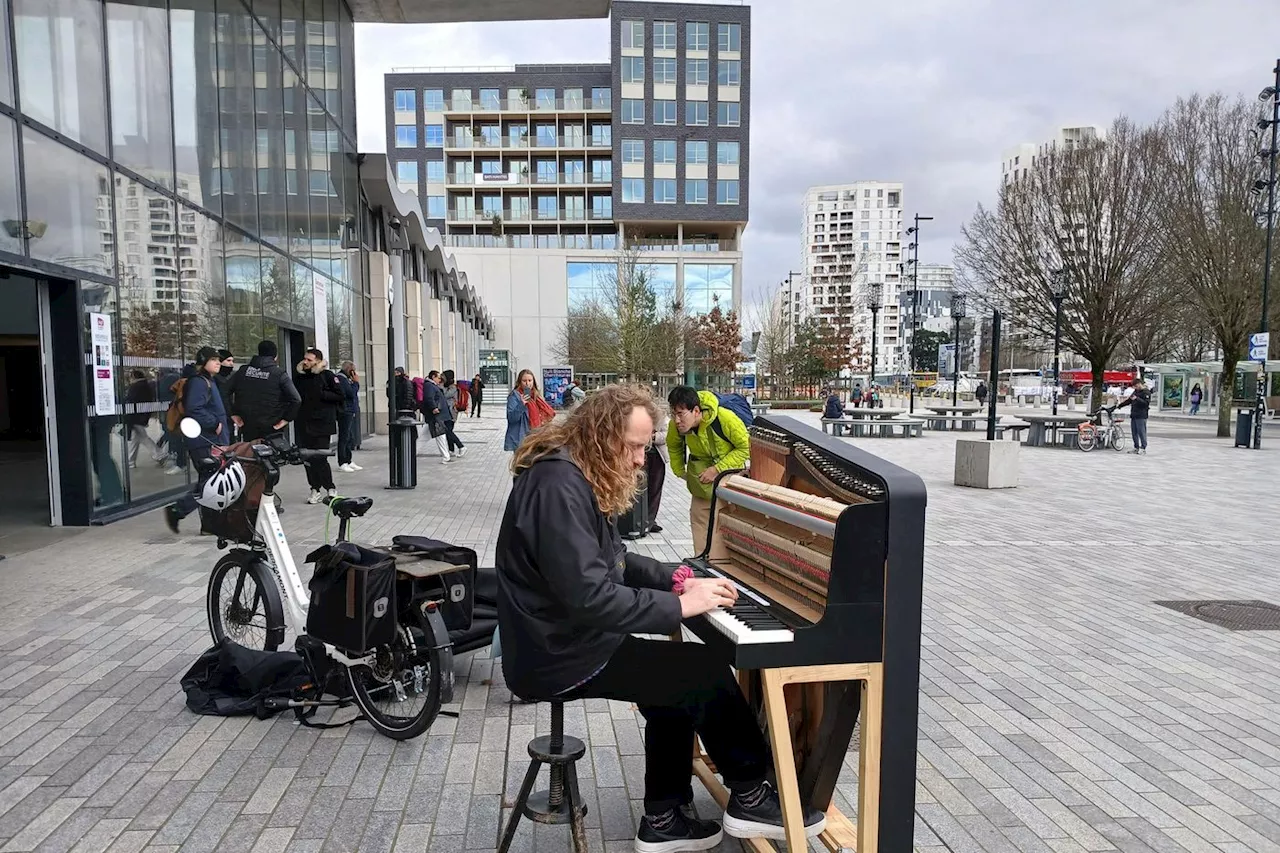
{"x":568,"y":591}
{"x":262,"y":394}
{"x":321,"y":399}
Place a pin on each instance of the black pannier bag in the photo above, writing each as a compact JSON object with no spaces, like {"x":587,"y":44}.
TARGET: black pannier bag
{"x":353,"y":597}
{"x":455,"y":589}
{"x":484,"y":617}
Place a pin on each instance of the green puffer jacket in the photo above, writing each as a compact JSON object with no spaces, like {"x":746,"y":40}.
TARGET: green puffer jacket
{"x":704,"y":447}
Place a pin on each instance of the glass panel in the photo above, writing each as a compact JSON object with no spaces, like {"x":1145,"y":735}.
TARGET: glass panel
{"x":347,"y":70}
{"x":195,"y":110}
{"x":246,"y":285}
{"x":203,"y":283}
{"x":433,"y":100}
{"x":338,"y":320}
{"x":268,"y":12}
{"x":292,"y":30}
{"x":272,"y":158}
{"x":71,"y":196}
{"x":6,"y":70}
{"x":106,"y":446}
{"x":304,"y":310}
{"x":275,"y":278}
{"x":10,"y":205}
{"x":138,"y":56}
{"x":239,"y":142}
{"x":60,"y":67}
{"x":329,"y":83}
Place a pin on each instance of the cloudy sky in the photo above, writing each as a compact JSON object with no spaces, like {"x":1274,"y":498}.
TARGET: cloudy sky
{"x":927,"y":92}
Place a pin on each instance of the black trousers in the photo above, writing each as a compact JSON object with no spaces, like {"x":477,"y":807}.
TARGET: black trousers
{"x":346,"y":441}
{"x":453,"y":441}
{"x":475,"y":406}
{"x":319,"y":474}
{"x":655,"y":470}
{"x":682,"y":689}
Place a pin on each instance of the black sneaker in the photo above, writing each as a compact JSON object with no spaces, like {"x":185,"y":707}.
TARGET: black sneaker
{"x":684,"y":833}
{"x":764,"y":819}
{"x":171,"y":517}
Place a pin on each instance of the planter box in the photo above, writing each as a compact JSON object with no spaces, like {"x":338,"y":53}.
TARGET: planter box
{"x":982,"y":464}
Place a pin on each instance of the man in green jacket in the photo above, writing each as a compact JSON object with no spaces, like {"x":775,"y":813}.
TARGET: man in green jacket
{"x":704,"y":439}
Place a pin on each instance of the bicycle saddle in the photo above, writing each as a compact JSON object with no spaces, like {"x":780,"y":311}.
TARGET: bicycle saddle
{"x":350,"y":507}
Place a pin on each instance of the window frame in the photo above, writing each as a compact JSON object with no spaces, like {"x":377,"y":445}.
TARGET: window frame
{"x":667,"y":79}
{"x":697,"y":110}
{"x":726,"y":105}
{"x":428,"y":100}
{"x":725,"y":144}
{"x":727,"y":183}
{"x":632,"y":69}
{"x":670,"y":112}
{"x":668,"y":145}
{"x":633,"y":145}
{"x":427,"y":142}
{"x":729,"y":72}
{"x":689,"y":146}
{"x":725,"y":32}
{"x":692,"y":198}
{"x":631,"y":183}
{"x":666,"y":184}
{"x":630,"y":29}
{"x":692,"y":79}
{"x":628,"y":114}
{"x":690,"y":30}
{"x":409,"y":129}
{"x":667,"y":31}
{"x":413,"y":100}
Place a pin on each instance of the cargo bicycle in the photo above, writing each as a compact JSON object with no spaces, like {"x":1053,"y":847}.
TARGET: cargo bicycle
{"x":383,"y":623}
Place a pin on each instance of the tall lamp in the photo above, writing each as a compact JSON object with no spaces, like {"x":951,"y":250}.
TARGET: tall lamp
{"x":1268,"y":155}
{"x":874,"y":298}
{"x":1058,"y":284}
{"x":958,"y":305}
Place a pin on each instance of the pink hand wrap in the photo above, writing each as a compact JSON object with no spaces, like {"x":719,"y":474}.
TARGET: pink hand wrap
{"x":678,"y":577}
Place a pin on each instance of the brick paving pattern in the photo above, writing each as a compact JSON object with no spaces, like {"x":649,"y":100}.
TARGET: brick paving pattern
{"x":1061,"y":710}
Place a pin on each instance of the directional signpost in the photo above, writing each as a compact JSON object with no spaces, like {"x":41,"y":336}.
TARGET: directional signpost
{"x":1259,"y":345}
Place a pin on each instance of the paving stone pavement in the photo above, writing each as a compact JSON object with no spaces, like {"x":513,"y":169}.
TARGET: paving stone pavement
{"x":1061,"y":710}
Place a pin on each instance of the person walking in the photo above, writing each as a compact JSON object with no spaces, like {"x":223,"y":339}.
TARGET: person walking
{"x":348,"y":417}
{"x":856,"y":396}
{"x":571,"y":600}
{"x":1139,"y":403}
{"x":449,"y":412}
{"x":322,"y":398}
{"x":261,"y":397}
{"x":518,"y":401}
{"x":1196,"y":396}
{"x":202,"y":402}
{"x":980,"y":394}
{"x":703,"y":439}
{"x":139,"y":393}
{"x":477,"y":395}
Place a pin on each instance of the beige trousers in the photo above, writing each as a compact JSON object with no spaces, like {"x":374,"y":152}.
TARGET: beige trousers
{"x":699,"y":519}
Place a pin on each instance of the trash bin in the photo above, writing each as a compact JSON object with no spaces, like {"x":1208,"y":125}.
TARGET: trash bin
{"x":404,"y":442}
{"x":1244,"y":427}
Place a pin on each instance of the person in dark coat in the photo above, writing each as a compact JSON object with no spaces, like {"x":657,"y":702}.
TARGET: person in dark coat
{"x":223,"y":377}
{"x":980,"y":394}
{"x":1139,"y":403}
{"x":260,"y":395}
{"x":833,"y":409}
{"x":571,"y":600}
{"x":202,"y":402}
{"x":138,"y":397}
{"x":348,"y":418}
{"x":322,"y":398}
{"x":402,"y":391}
{"x":477,"y":395}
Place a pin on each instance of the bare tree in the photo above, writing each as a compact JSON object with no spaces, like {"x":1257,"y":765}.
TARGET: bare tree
{"x":1211,"y":237}
{"x":772,"y":366}
{"x":1091,"y":210}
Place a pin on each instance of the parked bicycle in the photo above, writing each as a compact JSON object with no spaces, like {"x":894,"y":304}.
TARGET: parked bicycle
{"x":1095,"y":433}
{"x":256,"y":595}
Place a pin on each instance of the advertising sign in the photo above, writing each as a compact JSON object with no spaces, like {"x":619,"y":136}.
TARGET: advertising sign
{"x":1171,"y":393}
{"x":946,"y":359}
{"x":554,"y":381}
{"x":104,"y":383}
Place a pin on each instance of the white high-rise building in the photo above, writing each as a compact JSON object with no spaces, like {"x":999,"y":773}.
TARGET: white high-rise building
{"x":1019,"y":159}
{"x":852,"y":238}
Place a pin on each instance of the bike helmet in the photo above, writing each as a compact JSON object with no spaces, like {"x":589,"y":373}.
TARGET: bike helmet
{"x":224,"y":486}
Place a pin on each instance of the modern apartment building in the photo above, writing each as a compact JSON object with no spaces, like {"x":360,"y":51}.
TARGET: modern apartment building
{"x":538,"y":175}
{"x":852,"y":238}
{"x":1017,"y":161}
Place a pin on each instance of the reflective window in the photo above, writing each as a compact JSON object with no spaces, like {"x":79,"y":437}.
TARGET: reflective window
{"x":461,"y":99}
{"x":707,"y":284}
{"x":435,"y":207}
{"x":633,"y":190}
{"x":407,"y":173}
{"x":633,"y":151}
{"x":726,"y":192}
{"x":664,"y":151}
{"x":697,"y":35}
{"x":697,"y":72}
{"x":664,"y":191}
{"x":235,"y":37}
{"x":490,"y":99}
{"x":696,"y":113}
{"x":405,"y":100}
{"x":601,"y":97}
{"x":695,"y":191}
{"x":10,"y":209}
{"x":601,"y":171}
{"x":633,"y":69}
{"x":407,"y":136}
{"x":662,"y":278}
{"x":546,"y":99}
{"x":727,"y":153}
{"x":273,"y":159}
{"x":60,"y":67}
{"x":602,"y":207}
{"x":695,"y":151}
{"x":196,"y":140}
{"x":633,"y":34}
{"x":435,"y":171}
{"x":664,"y":112}
{"x":729,"y":72}
{"x":664,"y":35}
{"x":433,"y":136}
{"x":106,"y":446}
{"x":728,"y":114}
{"x":71,"y":194}
{"x":601,"y":135}
{"x":573,"y":99}
{"x":633,"y":111}
{"x":6,"y":71}
{"x":730,"y":36}
{"x":433,"y":100}
{"x":664,"y":72}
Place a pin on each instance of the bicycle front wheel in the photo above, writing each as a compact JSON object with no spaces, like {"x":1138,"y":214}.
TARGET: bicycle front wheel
{"x":400,"y":692}
{"x":1118,"y":439}
{"x":243,"y":603}
{"x":1087,"y":437}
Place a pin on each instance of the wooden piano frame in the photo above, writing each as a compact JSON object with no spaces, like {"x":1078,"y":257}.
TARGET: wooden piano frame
{"x":840,"y":833}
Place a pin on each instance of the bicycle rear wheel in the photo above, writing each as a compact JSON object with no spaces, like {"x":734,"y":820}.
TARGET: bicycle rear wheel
{"x":1087,"y":437}
{"x":400,"y":693}
{"x":1118,"y":439}
{"x":243,"y":604}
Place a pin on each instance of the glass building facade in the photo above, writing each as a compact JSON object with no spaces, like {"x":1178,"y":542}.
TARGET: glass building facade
{"x":186,"y":171}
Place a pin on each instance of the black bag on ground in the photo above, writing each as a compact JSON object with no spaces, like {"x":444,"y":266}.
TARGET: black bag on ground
{"x":230,"y":680}
{"x":634,"y":523}
{"x":456,"y":589}
{"x":353,"y":597}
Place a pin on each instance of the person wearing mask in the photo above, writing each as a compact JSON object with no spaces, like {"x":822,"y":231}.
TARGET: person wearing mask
{"x":348,"y":417}
{"x":703,"y":439}
{"x":225,"y":372}
{"x":477,"y":395}
{"x":317,"y":419}
{"x":138,"y":397}
{"x":261,"y":397}
{"x":518,"y":410}
{"x":1139,"y":404}
{"x":571,"y":600}
{"x":201,"y":401}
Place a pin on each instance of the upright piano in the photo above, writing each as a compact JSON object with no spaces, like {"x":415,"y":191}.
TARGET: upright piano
{"x":825,"y":543}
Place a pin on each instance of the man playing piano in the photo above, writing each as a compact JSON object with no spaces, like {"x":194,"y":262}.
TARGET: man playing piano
{"x":713,"y":439}
{"x":570,"y":598}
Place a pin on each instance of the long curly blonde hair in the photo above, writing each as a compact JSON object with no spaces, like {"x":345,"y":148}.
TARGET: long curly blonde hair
{"x":595,"y":434}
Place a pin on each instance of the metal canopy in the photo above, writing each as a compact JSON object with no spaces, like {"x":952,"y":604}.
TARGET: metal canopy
{"x":1205,"y":368}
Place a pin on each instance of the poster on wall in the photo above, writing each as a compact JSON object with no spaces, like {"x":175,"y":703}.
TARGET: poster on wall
{"x":104,"y":383}
{"x":1171,"y":396}
{"x":554,"y":381}
{"x":321,"y":301}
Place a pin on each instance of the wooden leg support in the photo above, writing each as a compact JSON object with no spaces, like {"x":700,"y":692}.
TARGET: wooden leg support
{"x":784,"y":760}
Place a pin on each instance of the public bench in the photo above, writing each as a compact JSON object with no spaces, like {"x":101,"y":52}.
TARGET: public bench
{"x":944,"y":422}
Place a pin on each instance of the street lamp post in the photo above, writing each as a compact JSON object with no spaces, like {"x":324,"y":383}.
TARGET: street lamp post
{"x":1058,"y":292}
{"x":874,"y":299}
{"x":958,"y":306}
{"x":1271,"y":93}
{"x":915,"y":306}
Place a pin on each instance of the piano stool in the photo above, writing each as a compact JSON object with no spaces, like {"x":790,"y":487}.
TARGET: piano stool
{"x":563,"y":803}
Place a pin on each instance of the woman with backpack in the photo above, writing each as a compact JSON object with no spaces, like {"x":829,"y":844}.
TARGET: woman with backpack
{"x":202,"y":402}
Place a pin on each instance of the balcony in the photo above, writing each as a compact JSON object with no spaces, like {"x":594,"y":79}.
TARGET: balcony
{"x":469,"y":217}
{"x":503,"y":180}
{"x":533,"y":105}
{"x":469,"y":142}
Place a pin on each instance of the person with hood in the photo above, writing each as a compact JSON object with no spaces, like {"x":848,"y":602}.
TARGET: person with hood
{"x":225,"y":372}
{"x":321,"y":395}
{"x":703,"y":439}
{"x":261,"y":397}
{"x":833,"y":409}
{"x":518,"y":410}
{"x":201,"y":401}
{"x":571,"y":601}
